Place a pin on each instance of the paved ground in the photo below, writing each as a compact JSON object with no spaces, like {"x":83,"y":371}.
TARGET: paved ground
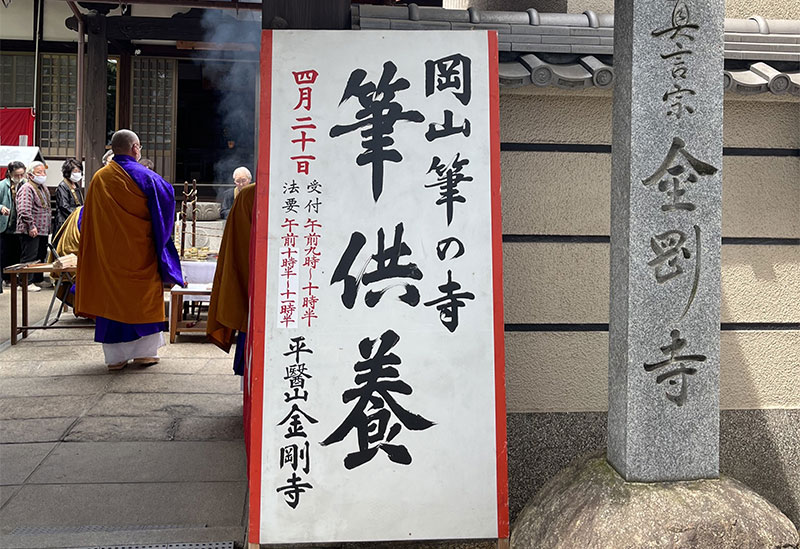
{"x":141,"y":456}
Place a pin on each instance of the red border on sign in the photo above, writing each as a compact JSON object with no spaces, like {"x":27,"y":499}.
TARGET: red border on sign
{"x":497,"y":277}
{"x":258,"y":289}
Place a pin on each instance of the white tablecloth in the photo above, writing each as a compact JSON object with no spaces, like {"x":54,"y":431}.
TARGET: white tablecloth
{"x":198,"y":272}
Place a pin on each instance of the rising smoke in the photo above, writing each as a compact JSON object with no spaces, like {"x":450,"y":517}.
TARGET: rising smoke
{"x":234,"y":81}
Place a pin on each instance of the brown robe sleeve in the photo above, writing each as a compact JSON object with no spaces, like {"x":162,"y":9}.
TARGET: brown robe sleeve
{"x":228,"y":309}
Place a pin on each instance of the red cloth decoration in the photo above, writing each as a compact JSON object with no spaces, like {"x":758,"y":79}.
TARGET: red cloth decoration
{"x":15,"y":123}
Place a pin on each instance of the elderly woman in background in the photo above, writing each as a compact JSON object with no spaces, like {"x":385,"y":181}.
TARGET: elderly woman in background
{"x":9,"y":241}
{"x":69,"y":194}
{"x":33,"y":220}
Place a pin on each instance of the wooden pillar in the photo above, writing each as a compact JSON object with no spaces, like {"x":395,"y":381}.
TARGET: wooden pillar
{"x":124,"y":91}
{"x":96,"y":88}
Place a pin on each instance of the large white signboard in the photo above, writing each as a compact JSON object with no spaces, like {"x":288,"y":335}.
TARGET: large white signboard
{"x":378,"y":405}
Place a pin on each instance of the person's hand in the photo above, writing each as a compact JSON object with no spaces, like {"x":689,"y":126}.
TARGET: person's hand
{"x":4,"y":210}
{"x":33,"y":233}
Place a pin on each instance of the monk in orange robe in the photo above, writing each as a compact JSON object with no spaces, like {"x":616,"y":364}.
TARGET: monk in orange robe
{"x":126,"y":255}
{"x":227,"y":312}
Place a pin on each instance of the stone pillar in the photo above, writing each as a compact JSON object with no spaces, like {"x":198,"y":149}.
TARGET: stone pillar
{"x":96,"y":88}
{"x":663,"y":421}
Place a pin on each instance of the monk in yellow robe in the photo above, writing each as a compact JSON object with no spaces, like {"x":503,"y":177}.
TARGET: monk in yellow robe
{"x":227,"y":312}
{"x":127,"y":255}
{"x":67,"y":241}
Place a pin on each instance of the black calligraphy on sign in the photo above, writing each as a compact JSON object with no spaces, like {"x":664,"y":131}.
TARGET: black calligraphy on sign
{"x":387,"y":266}
{"x":377,"y":117}
{"x":296,"y":455}
{"x":678,"y":367}
{"x":449,"y":177}
{"x":444,"y":245}
{"x":447,"y":128}
{"x":292,"y":490}
{"x":679,"y":32}
{"x":677,"y":169}
{"x":450,"y":73}
{"x":377,"y":417}
{"x":449,"y":304}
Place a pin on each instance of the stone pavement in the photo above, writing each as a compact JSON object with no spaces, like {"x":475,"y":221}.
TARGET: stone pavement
{"x":142,"y":456}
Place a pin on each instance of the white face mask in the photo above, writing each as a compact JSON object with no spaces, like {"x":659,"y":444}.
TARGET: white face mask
{"x":75,"y":177}
{"x":39,"y":179}
{"x":17,"y":179}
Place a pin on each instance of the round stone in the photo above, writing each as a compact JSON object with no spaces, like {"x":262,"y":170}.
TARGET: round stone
{"x":589,"y":505}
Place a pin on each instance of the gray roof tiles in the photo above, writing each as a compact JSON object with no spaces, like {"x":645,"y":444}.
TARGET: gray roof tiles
{"x":582,"y":36}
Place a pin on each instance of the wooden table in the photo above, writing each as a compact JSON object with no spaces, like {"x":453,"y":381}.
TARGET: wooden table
{"x":23,"y":270}
{"x":176,"y":323}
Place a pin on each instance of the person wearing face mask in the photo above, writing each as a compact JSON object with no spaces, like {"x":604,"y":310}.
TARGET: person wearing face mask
{"x":9,"y":241}
{"x":33,"y":219}
{"x":126,"y":255}
{"x":69,"y":194}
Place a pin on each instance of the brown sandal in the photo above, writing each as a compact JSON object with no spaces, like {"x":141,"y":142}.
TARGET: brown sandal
{"x":146,"y":361}
{"x":118,"y":366}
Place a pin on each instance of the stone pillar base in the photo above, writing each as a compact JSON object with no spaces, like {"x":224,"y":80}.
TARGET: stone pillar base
{"x":589,"y":506}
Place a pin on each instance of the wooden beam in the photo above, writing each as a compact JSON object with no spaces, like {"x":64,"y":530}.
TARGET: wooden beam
{"x":306,"y":14}
{"x":215,"y":4}
{"x":188,"y":29}
{"x":95,"y":106}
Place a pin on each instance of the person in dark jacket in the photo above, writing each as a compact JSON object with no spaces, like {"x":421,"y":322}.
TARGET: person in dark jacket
{"x":69,"y":194}
{"x":9,"y":241}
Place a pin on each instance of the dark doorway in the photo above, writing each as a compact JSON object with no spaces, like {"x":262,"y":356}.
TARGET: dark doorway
{"x":215,"y":123}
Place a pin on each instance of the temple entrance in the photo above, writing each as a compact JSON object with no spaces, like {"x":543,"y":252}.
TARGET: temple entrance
{"x":215,"y":122}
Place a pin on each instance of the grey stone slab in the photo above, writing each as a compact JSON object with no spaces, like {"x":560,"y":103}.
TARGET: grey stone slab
{"x":193,"y":348}
{"x":43,"y":368}
{"x":18,"y":461}
{"x":209,"y":428}
{"x":122,"y":429}
{"x":43,"y":407}
{"x":167,"y":405}
{"x":665,"y":313}
{"x":124,"y":536}
{"x":45,"y":351}
{"x":154,"y":382}
{"x":218,"y":366}
{"x":34,"y":430}
{"x":171,"y":365}
{"x":53,"y":385}
{"x":100,"y":462}
{"x":7,"y":492}
{"x":83,"y":335}
{"x":188,"y":504}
